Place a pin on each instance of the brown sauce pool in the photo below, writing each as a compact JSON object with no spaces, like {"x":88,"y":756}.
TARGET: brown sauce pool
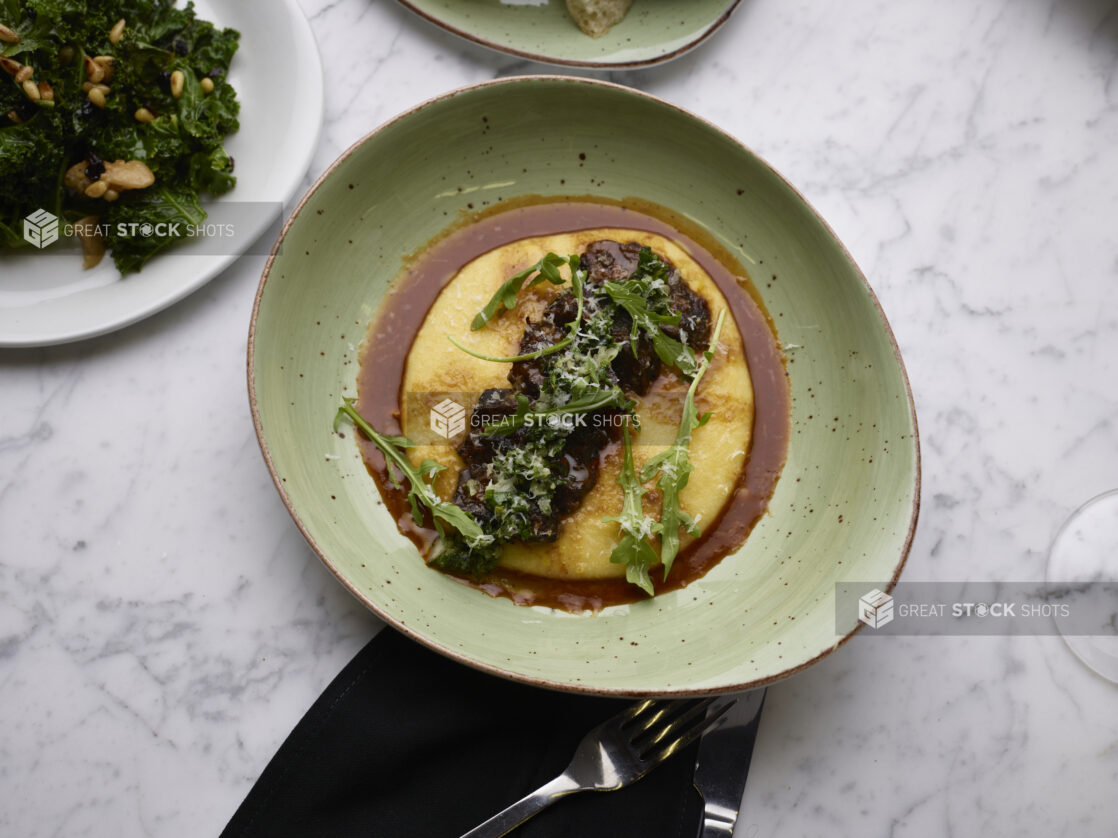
{"x":389,"y":340}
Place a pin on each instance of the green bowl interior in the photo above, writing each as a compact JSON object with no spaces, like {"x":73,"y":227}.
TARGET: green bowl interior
{"x":845,"y":505}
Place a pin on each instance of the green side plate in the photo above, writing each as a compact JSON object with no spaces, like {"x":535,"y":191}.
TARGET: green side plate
{"x":652,"y":32}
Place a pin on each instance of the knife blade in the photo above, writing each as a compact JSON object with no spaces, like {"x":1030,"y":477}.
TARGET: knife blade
{"x":722,"y":765}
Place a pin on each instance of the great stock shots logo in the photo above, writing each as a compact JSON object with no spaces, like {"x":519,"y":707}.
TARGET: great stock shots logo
{"x":225,"y":228}
{"x":875,"y":609}
{"x":448,"y":418}
{"x":40,"y":228}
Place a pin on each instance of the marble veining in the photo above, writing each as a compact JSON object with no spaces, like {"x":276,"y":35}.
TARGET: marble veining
{"x":163,"y":625}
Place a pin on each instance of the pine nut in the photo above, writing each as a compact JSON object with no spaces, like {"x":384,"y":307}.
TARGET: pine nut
{"x":66,"y":55}
{"x":88,"y":231}
{"x":96,"y":189}
{"x":7,"y":35}
{"x":31,"y":90}
{"x":207,"y":85}
{"x":144,"y":115}
{"x":14,"y":117}
{"x":104,"y":88}
{"x":46,"y":91}
{"x":117,"y":32}
{"x":25,"y":72}
{"x":177,"y":82}
{"x":105,"y":62}
{"x":97,"y":97}
{"x":94,"y":71}
{"x":87,"y":86}
{"x":111,"y":195}
{"x":10,"y":65}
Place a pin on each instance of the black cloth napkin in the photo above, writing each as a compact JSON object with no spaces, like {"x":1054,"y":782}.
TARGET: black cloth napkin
{"x":407,"y":744}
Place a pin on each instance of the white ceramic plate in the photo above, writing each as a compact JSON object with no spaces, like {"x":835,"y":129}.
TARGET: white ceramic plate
{"x":46,"y":298}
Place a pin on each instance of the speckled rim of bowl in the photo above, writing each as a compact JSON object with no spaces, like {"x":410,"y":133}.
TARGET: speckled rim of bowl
{"x":571,"y":62}
{"x":465,"y":659}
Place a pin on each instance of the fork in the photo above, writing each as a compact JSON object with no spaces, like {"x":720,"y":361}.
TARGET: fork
{"x":614,"y":754}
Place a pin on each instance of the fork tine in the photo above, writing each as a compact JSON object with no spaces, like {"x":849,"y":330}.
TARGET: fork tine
{"x":678,"y":716}
{"x":684,"y":730}
{"x":638,"y":715}
{"x":658,"y":718}
{"x":633,"y":711}
{"x":652,"y":712}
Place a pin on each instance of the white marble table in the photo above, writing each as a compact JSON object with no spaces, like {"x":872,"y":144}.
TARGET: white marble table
{"x":163,"y":625}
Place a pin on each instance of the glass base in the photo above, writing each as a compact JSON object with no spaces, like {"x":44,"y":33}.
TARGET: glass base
{"x":1085,"y":551}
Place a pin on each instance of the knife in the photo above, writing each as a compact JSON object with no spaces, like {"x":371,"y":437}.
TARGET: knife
{"x":723,"y":764}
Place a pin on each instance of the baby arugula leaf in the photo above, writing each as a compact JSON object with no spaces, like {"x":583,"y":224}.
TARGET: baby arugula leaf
{"x":578,"y":278}
{"x":420,"y":493}
{"x":674,"y":465}
{"x":634,"y":550}
{"x":512,"y":359}
{"x":505,"y":298}
{"x":637,"y":296}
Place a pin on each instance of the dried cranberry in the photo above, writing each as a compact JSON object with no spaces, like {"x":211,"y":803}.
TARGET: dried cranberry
{"x":96,"y":166}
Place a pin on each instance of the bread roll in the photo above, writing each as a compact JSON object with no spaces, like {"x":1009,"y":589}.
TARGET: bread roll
{"x":596,"y":17}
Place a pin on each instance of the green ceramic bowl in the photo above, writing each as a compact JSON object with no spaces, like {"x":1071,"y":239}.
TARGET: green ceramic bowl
{"x":844,"y":509}
{"x":652,"y":32}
